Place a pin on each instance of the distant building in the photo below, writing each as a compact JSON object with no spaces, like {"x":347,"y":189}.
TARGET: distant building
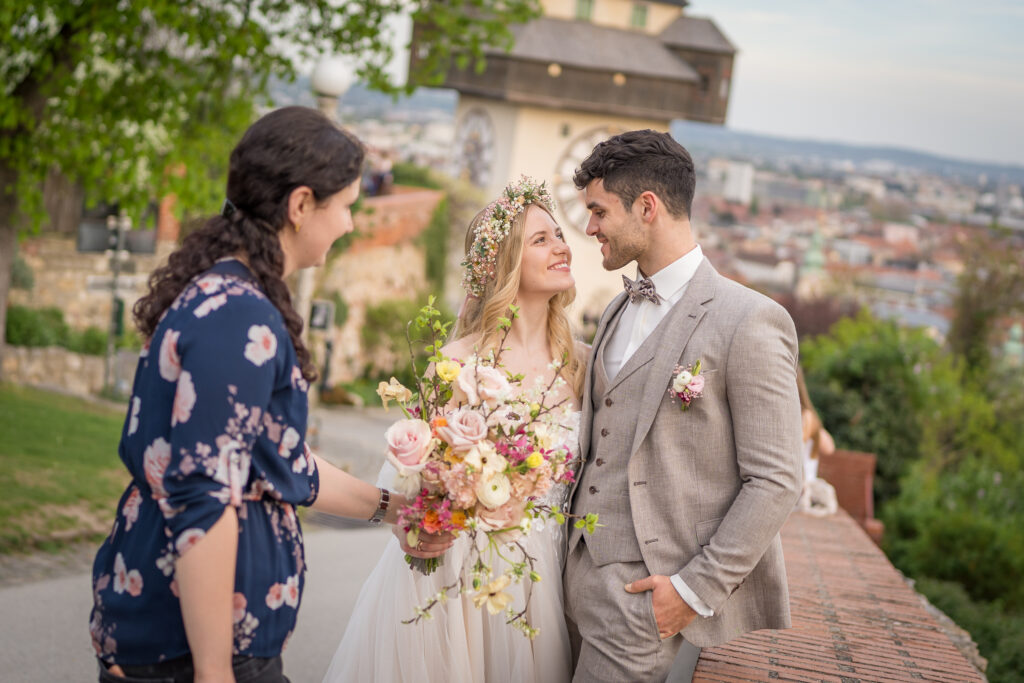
{"x":584,"y":71}
{"x":739,"y":183}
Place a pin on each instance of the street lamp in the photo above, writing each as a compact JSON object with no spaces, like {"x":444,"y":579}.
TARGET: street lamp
{"x":331,"y":77}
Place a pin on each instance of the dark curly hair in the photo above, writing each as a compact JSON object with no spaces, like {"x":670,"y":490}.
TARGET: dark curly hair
{"x":285,"y":149}
{"x":639,"y":161}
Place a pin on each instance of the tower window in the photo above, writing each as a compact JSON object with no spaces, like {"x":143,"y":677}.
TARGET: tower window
{"x":638,"y":19}
{"x":585,"y":9}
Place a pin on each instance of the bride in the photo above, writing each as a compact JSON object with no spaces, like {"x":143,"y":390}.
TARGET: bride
{"x":525,"y":262}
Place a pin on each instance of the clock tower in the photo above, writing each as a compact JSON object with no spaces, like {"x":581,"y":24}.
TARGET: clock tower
{"x":582,"y":72}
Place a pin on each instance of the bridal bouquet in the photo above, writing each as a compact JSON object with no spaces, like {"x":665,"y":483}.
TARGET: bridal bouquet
{"x":476,"y":454}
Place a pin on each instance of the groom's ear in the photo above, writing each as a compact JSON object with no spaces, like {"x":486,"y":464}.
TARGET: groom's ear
{"x":647,"y":206}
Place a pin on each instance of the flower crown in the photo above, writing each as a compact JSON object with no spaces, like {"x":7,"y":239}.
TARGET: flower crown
{"x":494,"y":227}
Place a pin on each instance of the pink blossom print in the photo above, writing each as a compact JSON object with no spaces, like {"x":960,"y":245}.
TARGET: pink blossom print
{"x":131,"y":508}
{"x":184,"y":399}
{"x":187,"y":539}
{"x":210,"y":283}
{"x":170,"y":363}
{"x":289,"y":441}
{"x":210,"y":305}
{"x":291,"y":591}
{"x":275,"y":596}
{"x":239,"y":604}
{"x":155,"y":461}
{"x":262,"y":345}
{"x":124,"y":580}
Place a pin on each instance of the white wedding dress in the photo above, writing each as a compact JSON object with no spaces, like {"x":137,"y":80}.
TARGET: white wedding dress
{"x":461,"y":643}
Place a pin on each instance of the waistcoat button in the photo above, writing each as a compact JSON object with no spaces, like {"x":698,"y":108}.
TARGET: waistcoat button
{"x":593,"y":490}
{"x":608,"y":402}
{"x":604,"y":431}
{"x":599,"y":462}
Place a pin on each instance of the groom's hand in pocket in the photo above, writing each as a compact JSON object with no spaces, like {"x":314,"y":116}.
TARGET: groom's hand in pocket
{"x":430,"y":545}
{"x":670,"y":610}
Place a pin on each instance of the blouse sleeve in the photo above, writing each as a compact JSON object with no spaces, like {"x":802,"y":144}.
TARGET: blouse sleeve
{"x":225,"y":365}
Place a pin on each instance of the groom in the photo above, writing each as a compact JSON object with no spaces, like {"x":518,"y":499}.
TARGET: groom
{"x":691,"y":501}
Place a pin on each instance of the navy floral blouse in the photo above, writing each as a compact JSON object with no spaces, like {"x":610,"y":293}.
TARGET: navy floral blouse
{"x":217,"y":418}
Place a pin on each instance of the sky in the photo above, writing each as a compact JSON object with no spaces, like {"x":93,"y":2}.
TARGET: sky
{"x":939,"y":76}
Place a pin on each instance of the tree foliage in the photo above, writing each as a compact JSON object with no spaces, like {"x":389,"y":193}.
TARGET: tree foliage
{"x":121,"y":97}
{"x":990,"y":287}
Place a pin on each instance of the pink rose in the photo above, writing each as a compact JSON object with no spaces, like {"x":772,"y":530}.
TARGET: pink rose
{"x":465,"y":428}
{"x":696,"y":384}
{"x":478,"y":384}
{"x":505,"y":519}
{"x":408,"y":445}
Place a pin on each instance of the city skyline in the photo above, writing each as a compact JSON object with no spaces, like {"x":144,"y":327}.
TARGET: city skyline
{"x":933,"y":75}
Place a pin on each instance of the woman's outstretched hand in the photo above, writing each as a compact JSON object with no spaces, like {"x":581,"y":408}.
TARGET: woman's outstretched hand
{"x":429,"y":545}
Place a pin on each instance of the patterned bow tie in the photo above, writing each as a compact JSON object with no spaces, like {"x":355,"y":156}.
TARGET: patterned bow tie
{"x":640,"y":290}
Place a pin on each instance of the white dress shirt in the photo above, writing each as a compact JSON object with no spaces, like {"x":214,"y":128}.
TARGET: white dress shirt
{"x":636,"y":324}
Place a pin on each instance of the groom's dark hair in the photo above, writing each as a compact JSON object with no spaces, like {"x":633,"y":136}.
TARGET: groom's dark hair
{"x":639,"y":161}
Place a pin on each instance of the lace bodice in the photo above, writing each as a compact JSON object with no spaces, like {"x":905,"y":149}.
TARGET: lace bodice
{"x":558,"y":496}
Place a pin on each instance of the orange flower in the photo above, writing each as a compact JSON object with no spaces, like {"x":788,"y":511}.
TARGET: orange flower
{"x":438,"y":421}
{"x":431,"y":523}
{"x":459,"y":519}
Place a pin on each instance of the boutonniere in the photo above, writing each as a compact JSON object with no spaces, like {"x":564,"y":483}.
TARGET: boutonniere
{"x":687,"y":384}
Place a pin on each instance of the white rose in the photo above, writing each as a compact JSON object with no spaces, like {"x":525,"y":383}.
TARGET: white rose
{"x":493,"y":492}
{"x":681,"y":380}
{"x":407,"y":484}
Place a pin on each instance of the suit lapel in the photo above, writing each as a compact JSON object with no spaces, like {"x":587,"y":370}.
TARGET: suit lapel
{"x":674,"y":333}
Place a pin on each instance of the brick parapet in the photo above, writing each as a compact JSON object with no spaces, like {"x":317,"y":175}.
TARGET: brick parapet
{"x":855,"y":619}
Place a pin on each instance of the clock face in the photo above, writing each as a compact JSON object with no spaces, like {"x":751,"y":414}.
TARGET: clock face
{"x":474,"y":147}
{"x":570,"y":200}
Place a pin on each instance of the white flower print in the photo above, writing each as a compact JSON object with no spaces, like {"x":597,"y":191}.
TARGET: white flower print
{"x":298,"y":381}
{"x":299,"y":464}
{"x":133,"y":421}
{"x":124,"y":580}
{"x":170,"y":363}
{"x":262,"y":345}
{"x":155,"y":460}
{"x":289,"y":441}
{"x":187,"y":539}
{"x":131,"y":508}
{"x":211,"y":304}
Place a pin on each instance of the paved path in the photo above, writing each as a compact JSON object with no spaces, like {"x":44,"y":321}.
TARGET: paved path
{"x":45,"y":601}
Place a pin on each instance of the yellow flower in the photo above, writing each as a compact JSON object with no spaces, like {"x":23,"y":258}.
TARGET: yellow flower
{"x":493,"y":596}
{"x":459,"y":519}
{"x":451,"y":457}
{"x":393,"y":391}
{"x":448,"y":370}
{"x":534,"y":460}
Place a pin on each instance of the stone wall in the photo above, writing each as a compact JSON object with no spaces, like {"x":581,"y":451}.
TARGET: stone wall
{"x":383,"y":263}
{"x":79,"y":284}
{"x":55,"y":368}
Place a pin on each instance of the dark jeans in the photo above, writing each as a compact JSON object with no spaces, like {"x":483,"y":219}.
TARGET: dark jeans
{"x":247,"y":670}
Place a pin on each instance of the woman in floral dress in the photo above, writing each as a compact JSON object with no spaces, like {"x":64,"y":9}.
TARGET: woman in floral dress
{"x":202,"y":574}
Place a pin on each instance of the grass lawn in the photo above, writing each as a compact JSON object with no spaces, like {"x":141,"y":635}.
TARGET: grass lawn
{"x":60,"y":477}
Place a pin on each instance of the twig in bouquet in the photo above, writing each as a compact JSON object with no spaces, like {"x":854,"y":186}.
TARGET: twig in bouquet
{"x":440,"y":597}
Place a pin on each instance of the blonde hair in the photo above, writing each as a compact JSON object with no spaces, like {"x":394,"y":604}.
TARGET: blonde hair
{"x":479,"y":316}
{"x":812,"y":425}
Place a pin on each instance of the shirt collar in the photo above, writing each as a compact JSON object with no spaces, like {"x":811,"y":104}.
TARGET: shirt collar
{"x":673,"y":277}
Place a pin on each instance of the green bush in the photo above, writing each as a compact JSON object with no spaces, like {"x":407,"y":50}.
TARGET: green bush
{"x":35,"y":327}
{"x":405,"y":173}
{"x":46,"y":327}
{"x":385,"y":327}
{"x":435,"y":246}
{"x":998,"y":634}
{"x":22,"y":276}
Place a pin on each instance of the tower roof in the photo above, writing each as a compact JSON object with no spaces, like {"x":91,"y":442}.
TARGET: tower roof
{"x":586,"y":45}
{"x":696,"y":33}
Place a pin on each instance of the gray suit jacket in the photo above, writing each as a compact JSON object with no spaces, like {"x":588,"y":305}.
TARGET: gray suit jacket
{"x":721,"y":478}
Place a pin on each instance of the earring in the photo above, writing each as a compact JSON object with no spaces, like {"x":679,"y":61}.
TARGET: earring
{"x":298,"y":226}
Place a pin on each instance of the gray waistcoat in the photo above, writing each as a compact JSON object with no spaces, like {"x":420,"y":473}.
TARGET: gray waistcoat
{"x":604,"y":486}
